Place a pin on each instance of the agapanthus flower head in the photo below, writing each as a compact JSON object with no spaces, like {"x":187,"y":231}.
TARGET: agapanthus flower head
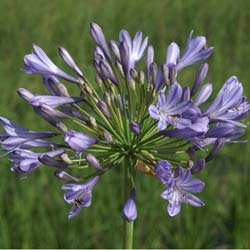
{"x":141,"y":122}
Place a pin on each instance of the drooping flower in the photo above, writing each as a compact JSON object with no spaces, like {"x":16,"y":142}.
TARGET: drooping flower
{"x":79,"y":195}
{"x":15,"y":137}
{"x":26,"y":161}
{"x":180,"y":185}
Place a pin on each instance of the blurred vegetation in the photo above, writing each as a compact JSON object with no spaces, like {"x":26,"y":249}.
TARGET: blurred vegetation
{"x":33,"y":213}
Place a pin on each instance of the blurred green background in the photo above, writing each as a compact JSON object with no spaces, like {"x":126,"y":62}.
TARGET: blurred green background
{"x":33,"y":213}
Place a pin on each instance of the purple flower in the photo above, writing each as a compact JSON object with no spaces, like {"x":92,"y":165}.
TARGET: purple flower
{"x":229,"y":105}
{"x":39,"y":63}
{"x":131,"y":50}
{"x":79,"y":195}
{"x":27,"y":161}
{"x":69,"y":61}
{"x":194,"y":52}
{"x":16,"y":137}
{"x":129,"y":212}
{"x":52,"y":101}
{"x":99,"y":38}
{"x":78,"y":141}
{"x":179,"y":185}
{"x":169,"y":108}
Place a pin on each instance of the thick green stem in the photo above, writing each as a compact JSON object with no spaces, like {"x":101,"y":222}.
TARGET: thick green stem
{"x":128,"y":234}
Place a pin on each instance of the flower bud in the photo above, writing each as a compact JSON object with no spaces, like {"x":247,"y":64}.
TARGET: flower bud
{"x":92,"y":121}
{"x":199,"y":78}
{"x":69,"y":61}
{"x":216,"y":148}
{"x":135,"y":128}
{"x":104,"y":108}
{"x":107,"y":98}
{"x":141,"y":77}
{"x":25,"y":94}
{"x":165,"y":72}
{"x":129,"y":212}
{"x":198,"y":166}
{"x":91,"y":159}
{"x":49,"y":161}
{"x":107,"y":136}
{"x":62,"y":175}
{"x":115,"y":49}
{"x":134,"y":73}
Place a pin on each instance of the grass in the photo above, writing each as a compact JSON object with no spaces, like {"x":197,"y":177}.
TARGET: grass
{"x":32,"y":211}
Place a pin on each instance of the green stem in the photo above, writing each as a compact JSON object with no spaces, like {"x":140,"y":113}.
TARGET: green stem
{"x":127,"y":185}
{"x":128,"y":234}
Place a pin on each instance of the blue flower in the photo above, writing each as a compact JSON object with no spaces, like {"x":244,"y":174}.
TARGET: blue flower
{"x":179,"y":188}
{"x":27,"y":161}
{"x":229,"y":105}
{"x":195,"y":52}
{"x":39,"y":63}
{"x":169,"y":108}
{"x":79,"y":195}
{"x":131,"y":50}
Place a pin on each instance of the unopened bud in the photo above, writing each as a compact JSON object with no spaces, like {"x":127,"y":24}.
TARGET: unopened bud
{"x":172,"y":74}
{"x":49,"y":161}
{"x":104,"y":108}
{"x":62,"y":127}
{"x":66,"y":158}
{"x":107,"y":98}
{"x":25,"y":94}
{"x":131,"y":84}
{"x":107,"y":136}
{"x":133,"y":73}
{"x":69,"y":61}
{"x":135,"y":128}
{"x":115,"y":49}
{"x":198,"y":166}
{"x":216,"y":148}
{"x":92,"y":121}
{"x":165,"y":72}
{"x":98,"y":79}
{"x":62,"y":175}
{"x":200,"y":77}
{"x":91,"y":159}
{"x":141,"y":77}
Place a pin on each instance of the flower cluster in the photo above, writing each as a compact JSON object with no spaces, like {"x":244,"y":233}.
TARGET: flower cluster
{"x":139,"y":121}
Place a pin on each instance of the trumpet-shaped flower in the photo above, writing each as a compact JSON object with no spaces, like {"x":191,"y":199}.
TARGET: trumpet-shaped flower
{"x":79,"y":195}
{"x":169,"y":108}
{"x":179,"y":187}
